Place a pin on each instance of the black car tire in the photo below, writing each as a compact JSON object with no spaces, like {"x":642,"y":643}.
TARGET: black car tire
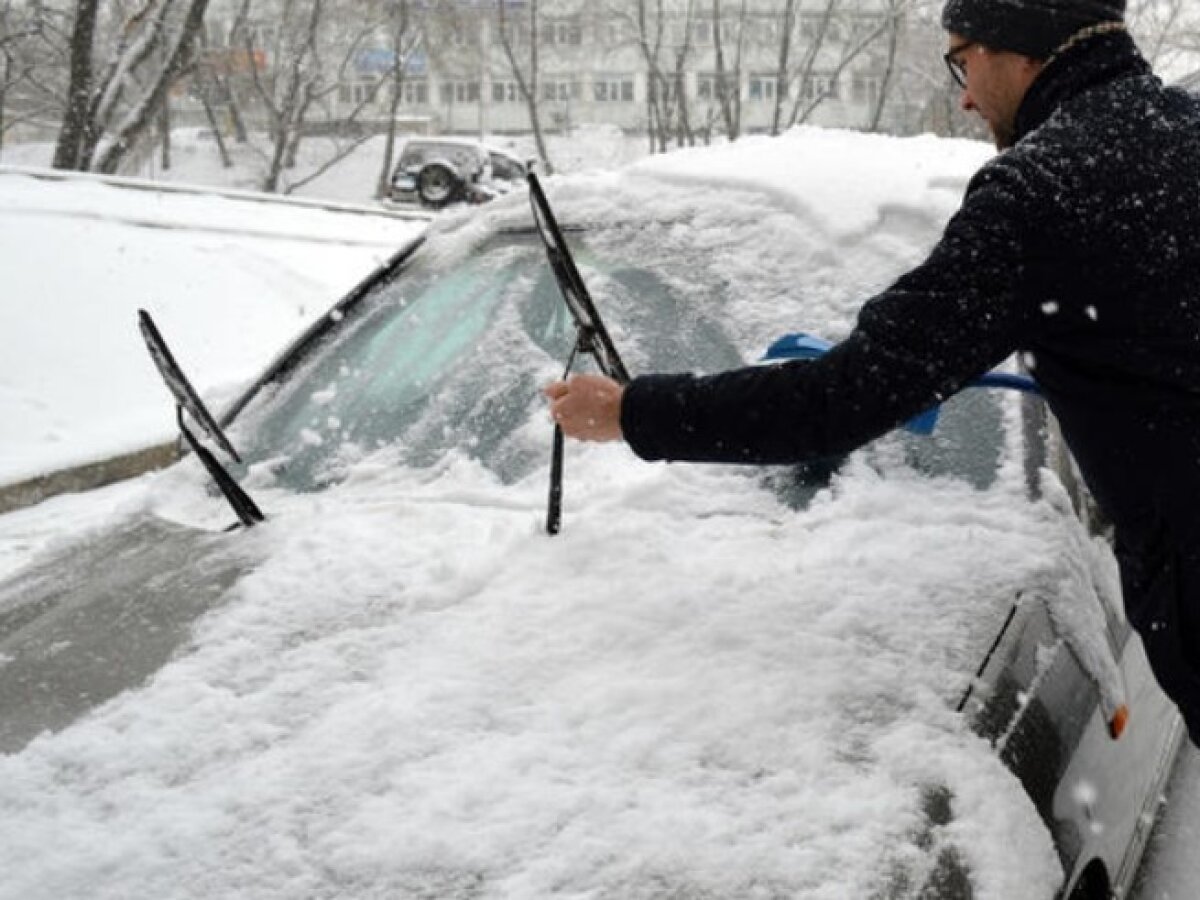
{"x":438,"y":185}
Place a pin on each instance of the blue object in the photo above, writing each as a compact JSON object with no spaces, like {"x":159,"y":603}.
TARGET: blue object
{"x":799,"y":345}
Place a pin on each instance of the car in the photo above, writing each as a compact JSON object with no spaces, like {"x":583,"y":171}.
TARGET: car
{"x":437,"y":172}
{"x":905,"y":673}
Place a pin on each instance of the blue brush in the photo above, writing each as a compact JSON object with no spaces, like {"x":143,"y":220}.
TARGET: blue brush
{"x":800,"y":345}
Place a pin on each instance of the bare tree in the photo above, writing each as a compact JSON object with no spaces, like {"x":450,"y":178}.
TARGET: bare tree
{"x":288,"y":90}
{"x":527,"y":79}
{"x":77,"y":123}
{"x":18,"y":61}
{"x":403,"y":39}
{"x":782,"y":69}
{"x":728,"y":87}
{"x":888,"y":72}
{"x":168,"y":51}
{"x":650,"y":30}
{"x":683,"y":52}
{"x":839,"y":37}
{"x":1168,"y":33}
{"x":112,"y":105}
{"x":663,"y":37}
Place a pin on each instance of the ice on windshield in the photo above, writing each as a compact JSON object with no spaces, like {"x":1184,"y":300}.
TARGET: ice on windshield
{"x":449,"y":355}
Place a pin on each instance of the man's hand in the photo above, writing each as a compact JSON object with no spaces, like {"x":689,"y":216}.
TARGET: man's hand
{"x":587,"y":407}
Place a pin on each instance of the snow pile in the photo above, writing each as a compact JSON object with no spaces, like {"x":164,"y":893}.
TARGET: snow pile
{"x":691,"y":691}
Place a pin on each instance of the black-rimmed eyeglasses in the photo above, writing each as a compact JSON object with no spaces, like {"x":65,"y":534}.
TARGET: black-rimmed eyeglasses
{"x":958,"y":69}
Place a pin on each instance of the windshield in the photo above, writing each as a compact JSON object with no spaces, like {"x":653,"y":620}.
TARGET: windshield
{"x":450,"y":354}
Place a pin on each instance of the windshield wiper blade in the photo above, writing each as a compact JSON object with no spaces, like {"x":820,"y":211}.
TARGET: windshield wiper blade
{"x":591,"y":336}
{"x":186,"y":397}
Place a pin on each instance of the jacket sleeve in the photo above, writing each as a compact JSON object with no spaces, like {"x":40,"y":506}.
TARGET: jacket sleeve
{"x":951,"y":319}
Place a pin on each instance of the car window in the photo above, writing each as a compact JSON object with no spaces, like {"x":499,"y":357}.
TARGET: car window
{"x":504,"y":167}
{"x":414,"y":155}
{"x":417,"y":154}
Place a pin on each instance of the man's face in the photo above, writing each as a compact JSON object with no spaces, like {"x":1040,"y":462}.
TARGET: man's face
{"x":995,"y":83}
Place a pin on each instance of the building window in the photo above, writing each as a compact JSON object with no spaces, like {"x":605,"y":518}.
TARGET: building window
{"x":762,"y":88}
{"x":451,"y":92}
{"x":812,"y":25}
{"x":515,"y":34}
{"x":613,"y":88}
{"x":566,"y":32}
{"x":768,"y":31}
{"x":416,"y":93}
{"x":560,"y":89}
{"x":613,"y":34}
{"x":710,"y":87}
{"x":702,"y":33}
{"x":819,"y":87}
{"x":865,"y":89}
{"x":505,"y":92}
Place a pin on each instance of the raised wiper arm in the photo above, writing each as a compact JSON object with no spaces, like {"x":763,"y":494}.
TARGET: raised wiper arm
{"x":591,"y":337}
{"x":186,"y":397}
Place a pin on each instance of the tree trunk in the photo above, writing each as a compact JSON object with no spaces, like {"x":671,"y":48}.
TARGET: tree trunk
{"x":76,"y":124}
{"x":528,"y":86}
{"x":4,"y":76}
{"x":885,"y":82}
{"x":226,"y":162}
{"x":235,"y":117}
{"x":136,"y":122}
{"x":806,"y":70}
{"x":399,"y":52}
{"x":729,"y":96}
{"x":658,"y":105}
{"x":164,"y":131}
{"x":782,"y":78}
{"x":287,"y":112}
{"x":683,"y":132}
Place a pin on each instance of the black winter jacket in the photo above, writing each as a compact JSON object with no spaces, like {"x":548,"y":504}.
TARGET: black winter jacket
{"x":1080,"y":246}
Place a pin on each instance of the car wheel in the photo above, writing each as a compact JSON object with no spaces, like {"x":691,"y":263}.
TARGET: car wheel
{"x":437,"y":185}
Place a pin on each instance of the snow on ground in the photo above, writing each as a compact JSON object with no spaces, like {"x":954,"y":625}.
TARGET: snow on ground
{"x":229,"y":281}
{"x":691,"y":692}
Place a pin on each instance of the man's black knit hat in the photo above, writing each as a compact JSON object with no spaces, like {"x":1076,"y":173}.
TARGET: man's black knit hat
{"x":1033,"y":28}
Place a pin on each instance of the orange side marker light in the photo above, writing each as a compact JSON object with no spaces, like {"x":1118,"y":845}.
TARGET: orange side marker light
{"x":1116,"y":725}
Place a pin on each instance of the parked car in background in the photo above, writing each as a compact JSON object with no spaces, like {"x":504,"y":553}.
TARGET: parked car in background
{"x":437,"y":172}
{"x":904,"y":678}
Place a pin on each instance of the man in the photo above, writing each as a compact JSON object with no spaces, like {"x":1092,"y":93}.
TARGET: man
{"x":1078,"y":245}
